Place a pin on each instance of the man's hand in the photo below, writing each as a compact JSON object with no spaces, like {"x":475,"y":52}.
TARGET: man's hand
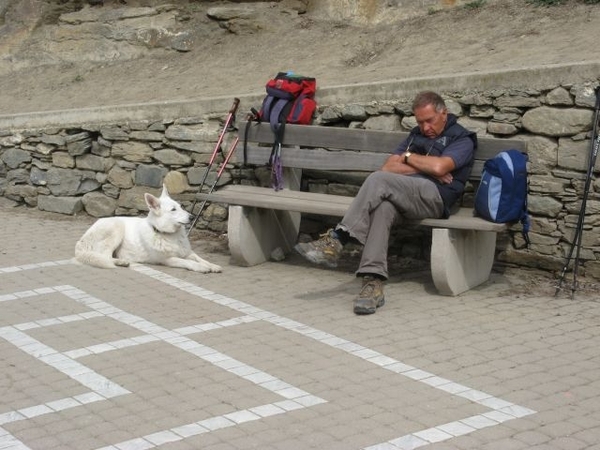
{"x":445,"y":179}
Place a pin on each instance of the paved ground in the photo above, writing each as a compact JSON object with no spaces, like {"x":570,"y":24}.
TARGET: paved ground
{"x":272,"y":357}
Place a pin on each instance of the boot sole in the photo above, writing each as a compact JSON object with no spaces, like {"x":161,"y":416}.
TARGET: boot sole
{"x":361,"y":310}
{"x":311,"y":258}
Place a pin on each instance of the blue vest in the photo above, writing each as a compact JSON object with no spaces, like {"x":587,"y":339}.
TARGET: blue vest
{"x":435,"y":147}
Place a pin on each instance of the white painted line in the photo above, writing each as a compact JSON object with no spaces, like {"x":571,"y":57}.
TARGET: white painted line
{"x":9,"y":442}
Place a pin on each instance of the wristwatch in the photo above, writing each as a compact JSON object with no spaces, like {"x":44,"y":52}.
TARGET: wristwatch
{"x":406,"y":156}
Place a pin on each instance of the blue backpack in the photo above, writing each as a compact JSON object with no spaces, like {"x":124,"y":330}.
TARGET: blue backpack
{"x":502,"y":193}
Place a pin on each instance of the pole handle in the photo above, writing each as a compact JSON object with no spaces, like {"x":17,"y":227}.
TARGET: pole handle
{"x":234,"y":106}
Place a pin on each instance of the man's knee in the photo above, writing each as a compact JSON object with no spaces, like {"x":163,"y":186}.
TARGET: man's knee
{"x":378,"y":180}
{"x":378,"y":176}
{"x":388,"y":212}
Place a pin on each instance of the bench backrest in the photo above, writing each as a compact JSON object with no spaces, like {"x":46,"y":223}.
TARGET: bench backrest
{"x":335,"y":148}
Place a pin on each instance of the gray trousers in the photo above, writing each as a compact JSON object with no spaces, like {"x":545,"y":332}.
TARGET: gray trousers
{"x":383,"y":199}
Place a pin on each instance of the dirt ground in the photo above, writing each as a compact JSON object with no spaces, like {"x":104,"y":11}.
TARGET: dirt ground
{"x":496,"y":35}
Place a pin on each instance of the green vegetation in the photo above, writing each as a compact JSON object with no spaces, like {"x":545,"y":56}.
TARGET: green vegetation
{"x":475,"y":4}
{"x":559,"y":2}
{"x":546,"y":2}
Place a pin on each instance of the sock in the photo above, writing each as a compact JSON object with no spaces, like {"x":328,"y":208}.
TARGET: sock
{"x":374,"y":275}
{"x":341,"y":235}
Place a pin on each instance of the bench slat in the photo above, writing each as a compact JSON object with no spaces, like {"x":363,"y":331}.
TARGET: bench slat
{"x":282,"y":200}
{"x":328,"y":137}
{"x":365,"y":151}
{"x":320,"y":159}
{"x":374,"y":141}
{"x":330,"y":205}
{"x":317,"y":158}
{"x":488,"y":147}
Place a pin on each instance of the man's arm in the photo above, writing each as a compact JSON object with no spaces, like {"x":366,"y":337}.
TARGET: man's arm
{"x":434,"y":166}
{"x":396,"y":164}
{"x":439,"y":167}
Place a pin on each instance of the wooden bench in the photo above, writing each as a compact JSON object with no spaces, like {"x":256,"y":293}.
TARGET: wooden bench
{"x":262,"y":219}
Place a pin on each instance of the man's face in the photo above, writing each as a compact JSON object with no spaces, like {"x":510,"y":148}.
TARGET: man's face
{"x":430,"y":121}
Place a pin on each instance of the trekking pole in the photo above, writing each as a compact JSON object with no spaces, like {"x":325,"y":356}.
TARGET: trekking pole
{"x":577,"y":239}
{"x":595,"y":145}
{"x":226,"y":127}
{"x":214,"y":184}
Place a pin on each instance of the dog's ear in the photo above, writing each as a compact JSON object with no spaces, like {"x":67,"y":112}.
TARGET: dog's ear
{"x":152,"y":202}
{"x":165,"y":191}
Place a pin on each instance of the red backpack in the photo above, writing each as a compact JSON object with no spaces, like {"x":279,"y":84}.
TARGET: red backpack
{"x":290,"y":99}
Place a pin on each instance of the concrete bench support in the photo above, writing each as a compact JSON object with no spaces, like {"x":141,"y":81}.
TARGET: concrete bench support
{"x":255,"y":232}
{"x":461,"y":259}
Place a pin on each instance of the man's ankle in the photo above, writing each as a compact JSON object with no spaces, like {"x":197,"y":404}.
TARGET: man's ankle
{"x":371,"y":275}
{"x":341,"y":235}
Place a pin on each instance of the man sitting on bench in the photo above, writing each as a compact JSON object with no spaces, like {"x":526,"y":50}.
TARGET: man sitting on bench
{"x":423,"y":178}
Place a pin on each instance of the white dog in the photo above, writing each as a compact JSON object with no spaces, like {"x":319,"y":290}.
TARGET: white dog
{"x":159,"y":238}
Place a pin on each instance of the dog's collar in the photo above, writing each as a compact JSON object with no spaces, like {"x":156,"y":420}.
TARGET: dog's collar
{"x":156,"y":230}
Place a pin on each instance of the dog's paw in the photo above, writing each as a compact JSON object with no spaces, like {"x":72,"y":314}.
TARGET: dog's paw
{"x":216,"y":269}
{"x":121,"y":262}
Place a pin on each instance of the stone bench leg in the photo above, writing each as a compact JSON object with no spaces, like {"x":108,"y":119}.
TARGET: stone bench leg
{"x":461,"y":259}
{"x":254,"y":233}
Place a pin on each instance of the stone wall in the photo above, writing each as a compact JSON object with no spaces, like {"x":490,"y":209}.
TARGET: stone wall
{"x":103,"y":169}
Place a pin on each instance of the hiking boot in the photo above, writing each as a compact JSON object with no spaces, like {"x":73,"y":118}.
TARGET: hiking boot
{"x":370,"y":297}
{"x":324,"y":251}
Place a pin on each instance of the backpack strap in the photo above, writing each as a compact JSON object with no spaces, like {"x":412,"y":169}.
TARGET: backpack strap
{"x":276,"y":168}
{"x":278,"y":119}
{"x":276,"y":112}
{"x":526,"y":224}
